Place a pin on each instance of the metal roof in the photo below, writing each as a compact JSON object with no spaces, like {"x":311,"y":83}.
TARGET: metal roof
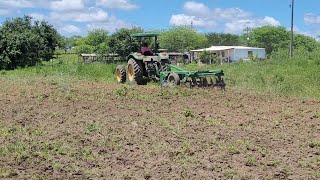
{"x":222,"y":48}
{"x":144,"y":35}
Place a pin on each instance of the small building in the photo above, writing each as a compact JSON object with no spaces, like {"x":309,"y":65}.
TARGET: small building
{"x":101,"y":58}
{"x":177,"y":58}
{"x":231,"y":53}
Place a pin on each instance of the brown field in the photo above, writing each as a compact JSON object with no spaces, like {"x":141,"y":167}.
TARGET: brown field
{"x":72,"y":129}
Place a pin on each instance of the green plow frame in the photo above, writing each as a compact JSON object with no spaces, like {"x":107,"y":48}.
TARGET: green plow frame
{"x":201,"y":78}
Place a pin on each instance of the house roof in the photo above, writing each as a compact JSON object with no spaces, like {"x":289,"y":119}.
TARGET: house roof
{"x":222,"y":48}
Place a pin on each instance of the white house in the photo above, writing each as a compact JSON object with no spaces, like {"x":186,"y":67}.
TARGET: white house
{"x":231,"y":53}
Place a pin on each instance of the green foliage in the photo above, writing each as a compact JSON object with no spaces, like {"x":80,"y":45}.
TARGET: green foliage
{"x":122,"y":91}
{"x":84,"y":48}
{"x":182,"y":39}
{"x":207,"y":57}
{"x":188,"y":113}
{"x":278,"y":75}
{"x":68,"y":43}
{"x":251,"y":160}
{"x":305,"y":42}
{"x":276,"y":38}
{"x":92,"y":128}
{"x":221,"y":39}
{"x":95,"y":42}
{"x":66,"y":66}
{"x":233,"y":150}
{"x":120,"y":41}
{"x":270,"y":37}
{"x":23,"y":43}
{"x":98,"y":39}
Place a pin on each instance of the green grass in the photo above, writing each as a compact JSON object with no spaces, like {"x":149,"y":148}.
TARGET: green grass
{"x":67,"y":66}
{"x":298,"y":77}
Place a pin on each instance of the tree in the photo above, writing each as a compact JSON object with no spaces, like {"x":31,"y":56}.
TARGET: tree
{"x":50,"y":39}
{"x":270,"y":37}
{"x":306,"y":42}
{"x":25,"y":44}
{"x":181,"y":39}
{"x":120,"y":41}
{"x":98,"y":38}
{"x":221,"y":39}
{"x":277,"y":38}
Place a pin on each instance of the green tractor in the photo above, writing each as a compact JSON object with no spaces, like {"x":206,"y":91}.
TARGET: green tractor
{"x":148,"y":64}
{"x":144,"y":65}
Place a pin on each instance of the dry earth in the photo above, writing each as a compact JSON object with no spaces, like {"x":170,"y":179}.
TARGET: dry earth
{"x":71,"y":129}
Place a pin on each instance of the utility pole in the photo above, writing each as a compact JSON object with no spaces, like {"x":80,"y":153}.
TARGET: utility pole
{"x":191,"y":24}
{"x":247,"y":30}
{"x":291,"y":39}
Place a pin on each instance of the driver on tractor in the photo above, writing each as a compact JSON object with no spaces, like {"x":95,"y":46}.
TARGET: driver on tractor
{"x":146,"y":50}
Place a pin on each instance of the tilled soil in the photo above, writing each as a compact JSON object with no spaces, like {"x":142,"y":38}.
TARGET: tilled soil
{"x":72,"y":129}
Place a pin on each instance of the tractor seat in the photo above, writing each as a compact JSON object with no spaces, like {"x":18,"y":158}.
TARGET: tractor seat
{"x":148,"y":53}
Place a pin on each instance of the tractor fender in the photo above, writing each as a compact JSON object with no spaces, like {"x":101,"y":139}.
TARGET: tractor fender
{"x":163,"y":55}
{"x":136,"y":56}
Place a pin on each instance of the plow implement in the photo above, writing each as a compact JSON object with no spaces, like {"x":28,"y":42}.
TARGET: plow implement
{"x":174,"y":75}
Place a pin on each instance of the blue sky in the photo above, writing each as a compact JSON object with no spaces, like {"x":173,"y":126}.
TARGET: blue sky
{"x":77,"y":17}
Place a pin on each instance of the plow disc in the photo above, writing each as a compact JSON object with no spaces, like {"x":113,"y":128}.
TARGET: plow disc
{"x":207,"y":82}
{"x":204,"y":78}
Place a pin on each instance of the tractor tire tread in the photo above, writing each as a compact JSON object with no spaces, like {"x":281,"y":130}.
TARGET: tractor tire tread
{"x":122,"y":73}
{"x":138,"y":72}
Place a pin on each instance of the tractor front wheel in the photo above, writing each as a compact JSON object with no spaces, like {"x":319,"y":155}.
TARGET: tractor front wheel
{"x":134,"y":72}
{"x":121,"y":74}
{"x":174,"y":79}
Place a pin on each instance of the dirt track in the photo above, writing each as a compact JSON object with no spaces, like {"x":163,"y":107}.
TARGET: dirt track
{"x":79,"y":129}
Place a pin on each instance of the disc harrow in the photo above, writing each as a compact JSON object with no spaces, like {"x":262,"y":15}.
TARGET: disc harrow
{"x":202,"y":78}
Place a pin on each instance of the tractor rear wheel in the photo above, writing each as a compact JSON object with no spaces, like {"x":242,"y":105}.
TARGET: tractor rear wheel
{"x":174,"y":79}
{"x":121,"y":74}
{"x":134,"y":72}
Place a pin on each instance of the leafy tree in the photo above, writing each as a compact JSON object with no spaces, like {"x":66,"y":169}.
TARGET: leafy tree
{"x":221,"y":39}
{"x":68,"y":43}
{"x":181,"y":39}
{"x":84,"y":48}
{"x":97,"y":36}
{"x":275,"y":38}
{"x":270,"y":37}
{"x":306,"y":42}
{"x":50,"y":39}
{"x":25,"y":44}
{"x":120,"y":41}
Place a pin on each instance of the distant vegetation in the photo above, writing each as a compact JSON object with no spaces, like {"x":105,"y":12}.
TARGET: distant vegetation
{"x":23,"y":43}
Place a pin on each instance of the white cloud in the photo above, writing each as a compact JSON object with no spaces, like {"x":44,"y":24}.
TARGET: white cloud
{"x":111,"y":25}
{"x":4,"y":11}
{"x":38,"y":17}
{"x":197,"y":9}
{"x":237,"y":26}
{"x":231,"y":20}
{"x":88,"y":15}
{"x":229,"y":14}
{"x":16,"y":3}
{"x":116,"y":4}
{"x":83,"y":14}
{"x":311,"y":18}
{"x":69,"y":29}
{"x":67,"y":5}
{"x":185,"y":20}
{"x":269,"y":21}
